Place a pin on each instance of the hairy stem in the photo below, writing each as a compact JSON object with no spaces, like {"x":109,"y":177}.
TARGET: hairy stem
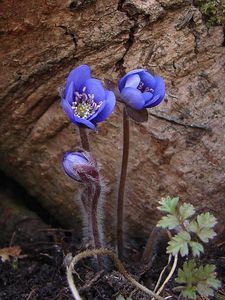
{"x":84,"y":139}
{"x":123,"y":175}
{"x":118,"y":264}
{"x":90,"y":200}
{"x":94,"y":216}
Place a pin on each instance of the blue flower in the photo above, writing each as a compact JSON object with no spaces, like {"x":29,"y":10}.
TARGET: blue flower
{"x":84,"y":99}
{"x":140,"y":89}
{"x":81,"y":166}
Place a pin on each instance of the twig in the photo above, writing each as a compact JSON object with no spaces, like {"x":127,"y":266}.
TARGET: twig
{"x":169,"y":275}
{"x":123,"y":176}
{"x":180,"y":123}
{"x":118,"y":264}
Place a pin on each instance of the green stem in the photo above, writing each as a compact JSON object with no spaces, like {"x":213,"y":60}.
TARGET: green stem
{"x":84,"y":139}
{"x":123,"y":175}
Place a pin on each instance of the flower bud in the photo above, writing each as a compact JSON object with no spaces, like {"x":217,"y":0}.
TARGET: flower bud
{"x":81,"y":166}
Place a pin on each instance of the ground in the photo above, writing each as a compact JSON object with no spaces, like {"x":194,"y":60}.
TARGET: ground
{"x":39,"y":272}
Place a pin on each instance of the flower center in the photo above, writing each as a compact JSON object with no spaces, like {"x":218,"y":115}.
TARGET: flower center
{"x":84,"y":105}
{"x":144,"y":88}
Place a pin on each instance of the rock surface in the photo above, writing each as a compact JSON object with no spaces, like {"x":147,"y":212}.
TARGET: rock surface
{"x":179,"y":151}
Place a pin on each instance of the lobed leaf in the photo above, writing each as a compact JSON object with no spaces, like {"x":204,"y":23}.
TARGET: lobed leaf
{"x":179,"y":243}
{"x":206,"y":220}
{"x":201,"y":280}
{"x":169,"y":205}
{"x":169,"y":222}
{"x":186,"y":210}
{"x":196,"y":248}
{"x":205,"y":234}
{"x":203,"y":227}
{"x":193,"y":227}
{"x":189,"y":292}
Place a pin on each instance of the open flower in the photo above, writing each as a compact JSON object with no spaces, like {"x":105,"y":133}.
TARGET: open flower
{"x":140,"y":89}
{"x":81,"y":166}
{"x":84,"y":99}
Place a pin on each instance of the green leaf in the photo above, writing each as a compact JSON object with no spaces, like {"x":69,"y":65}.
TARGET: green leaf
{"x":193,"y":227}
{"x":169,"y":222}
{"x":206,"y":220}
{"x":186,"y":210}
{"x":203,"y":227}
{"x":196,"y":248}
{"x":185,"y":274}
{"x":201,"y":280}
{"x":169,"y":205}
{"x":205,"y":234}
{"x":189,"y":293}
{"x":214,"y":282}
{"x":204,"y":290}
{"x":179,"y":243}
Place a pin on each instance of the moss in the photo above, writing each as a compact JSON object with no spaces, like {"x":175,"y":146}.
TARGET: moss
{"x":212,"y":10}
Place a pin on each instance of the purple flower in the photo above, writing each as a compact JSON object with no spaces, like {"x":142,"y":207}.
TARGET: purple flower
{"x":81,"y":166}
{"x":140,"y":89}
{"x":84,"y":99}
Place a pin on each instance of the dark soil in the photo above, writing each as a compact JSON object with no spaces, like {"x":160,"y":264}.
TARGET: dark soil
{"x":40,"y":272}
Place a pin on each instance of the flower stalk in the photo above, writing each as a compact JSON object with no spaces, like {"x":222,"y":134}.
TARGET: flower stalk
{"x":122,"y":183}
{"x":91,"y":204}
{"x":82,"y":167}
{"x":84,"y":139}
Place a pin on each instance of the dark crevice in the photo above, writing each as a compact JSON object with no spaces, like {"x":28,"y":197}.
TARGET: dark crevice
{"x":192,"y":26}
{"x":71,"y":34}
{"x":22,"y":197}
{"x":80,"y":4}
{"x":133,"y":29}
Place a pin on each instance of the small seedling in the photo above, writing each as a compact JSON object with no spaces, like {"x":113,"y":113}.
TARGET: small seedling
{"x":190,"y":231}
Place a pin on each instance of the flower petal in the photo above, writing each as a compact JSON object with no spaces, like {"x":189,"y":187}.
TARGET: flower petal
{"x":159,"y":93}
{"x":69,"y":96}
{"x":136,"y":71}
{"x":160,"y":86}
{"x":94,"y":86}
{"x":123,"y":80}
{"x":133,"y":81}
{"x":67,"y":108}
{"x":108,"y":108}
{"x":133,"y":97}
{"x":147,"y":96}
{"x":153,"y":102}
{"x":80,"y":121}
{"x":75,"y":157}
{"x":148,"y":79}
{"x":78,"y":76}
{"x":71,"y":162}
